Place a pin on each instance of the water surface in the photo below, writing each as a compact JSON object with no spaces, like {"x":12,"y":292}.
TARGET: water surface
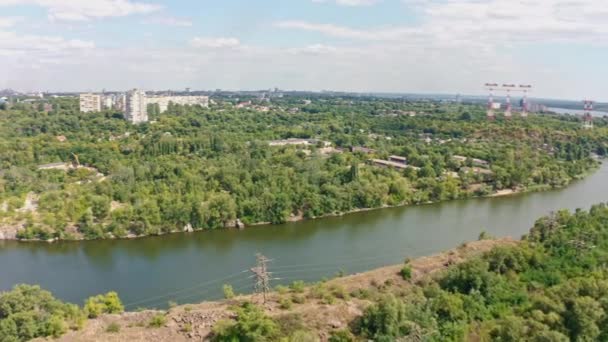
{"x":184,"y":268}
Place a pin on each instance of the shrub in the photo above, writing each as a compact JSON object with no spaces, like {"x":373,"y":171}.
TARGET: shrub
{"x":28,"y":312}
{"x":113,"y":327}
{"x":285,"y":303}
{"x":282,"y":289}
{"x":406,"y":272}
{"x":228,"y":291}
{"x":303,"y":336}
{"x":251,"y":325}
{"x":157,"y":321}
{"x":100,"y":304}
{"x":341,"y":336}
{"x":383,"y":320}
{"x":298,"y":286}
{"x":298,"y":299}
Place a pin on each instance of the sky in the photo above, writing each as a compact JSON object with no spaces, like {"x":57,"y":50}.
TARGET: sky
{"x":422,"y":46}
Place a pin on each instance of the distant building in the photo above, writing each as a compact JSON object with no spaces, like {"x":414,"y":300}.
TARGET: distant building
{"x":120,"y":102}
{"x":135,"y":108}
{"x":389,"y":163}
{"x":163,"y":101}
{"x":90,"y":103}
{"x":302,"y":142}
{"x":398,"y":159}
{"x":475,"y":161}
{"x":107,"y":102}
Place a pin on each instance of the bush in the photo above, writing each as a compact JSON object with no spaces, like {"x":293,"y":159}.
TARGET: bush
{"x":187,"y":328}
{"x":28,"y":312}
{"x":100,"y":304}
{"x":406,"y":272}
{"x":285,"y":303}
{"x":251,"y":325}
{"x":282,"y":289}
{"x":298,"y":286}
{"x":298,"y":299}
{"x":341,"y":336}
{"x":383,"y":320}
{"x":113,"y":327}
{"x":228,"y":291}
{"x":303,"y":336}
{"x":157,"y":321}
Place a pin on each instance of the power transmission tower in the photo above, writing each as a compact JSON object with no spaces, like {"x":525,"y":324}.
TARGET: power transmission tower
{"x":261,"y":274}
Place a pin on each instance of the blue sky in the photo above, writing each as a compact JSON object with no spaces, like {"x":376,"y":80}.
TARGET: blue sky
{"x":447,"y":46}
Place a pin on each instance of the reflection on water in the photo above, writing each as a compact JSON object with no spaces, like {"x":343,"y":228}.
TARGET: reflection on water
{"x":196,"y":264}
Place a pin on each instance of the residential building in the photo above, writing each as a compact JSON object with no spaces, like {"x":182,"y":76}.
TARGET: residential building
{"x":107,"y":102}
{"x":135,"y":110}
{"x":163,"y":101}
{"x":120,"y":102}
{"x":90,"y":103}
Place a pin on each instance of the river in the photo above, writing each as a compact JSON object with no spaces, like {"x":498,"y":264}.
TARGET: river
{"x":184,"y":268}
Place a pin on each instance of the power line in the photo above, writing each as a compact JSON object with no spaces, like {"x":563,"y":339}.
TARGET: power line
{"x":261,"y":274}
{"x":203,"y":284}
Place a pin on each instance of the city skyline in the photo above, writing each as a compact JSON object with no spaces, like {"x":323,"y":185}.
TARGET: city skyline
{"x":396,"y":46}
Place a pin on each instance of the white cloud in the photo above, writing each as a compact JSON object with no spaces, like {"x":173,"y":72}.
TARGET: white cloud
{"x":352,"y":3}
{"x":489,"y":23}
{"x":314,"y":49}
{"x":169,"y":21}
{"x":216,"y":43}
{"x":83,"y":10}
{"x":9,"y":21}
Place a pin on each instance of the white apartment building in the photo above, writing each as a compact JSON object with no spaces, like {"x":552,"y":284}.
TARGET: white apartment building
{"x":163,"y":101}
{"x":107,"y":102}
{"x":90,"y":103}
{"x":136,"y":111}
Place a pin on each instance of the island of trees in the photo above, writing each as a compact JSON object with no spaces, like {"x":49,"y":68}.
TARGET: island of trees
{"x":71,"y":175}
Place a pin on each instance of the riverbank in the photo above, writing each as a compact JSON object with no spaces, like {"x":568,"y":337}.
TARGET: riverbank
{"x":10,"y":231}
{"x":322,"y":307}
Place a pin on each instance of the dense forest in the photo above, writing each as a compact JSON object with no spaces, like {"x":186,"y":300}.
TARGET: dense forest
{"x":551,"y":286}
{"x":194,"y":168}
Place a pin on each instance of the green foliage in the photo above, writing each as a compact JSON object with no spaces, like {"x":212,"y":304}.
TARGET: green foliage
{"x":341,"y":336}
{"x":550,"y":287}
{"x":103,"y":304}
{"x":406,"y":272}
{"x":113,"y":327}
{"x":251,"y":325}
{"x":384,"y":320}
{"x":205,"y":167}
{"x":298,"y":286}
{"x":27,"y":312}
{"x":228,"y":291}
{"x":285,"y":303}
{"x":157,"y":321}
